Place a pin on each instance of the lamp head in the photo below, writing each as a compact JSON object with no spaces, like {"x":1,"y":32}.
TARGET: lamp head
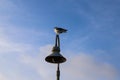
{"x":55,"y":57}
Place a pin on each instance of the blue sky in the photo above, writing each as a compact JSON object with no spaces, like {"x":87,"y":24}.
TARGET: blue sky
{"x":91,"y":45}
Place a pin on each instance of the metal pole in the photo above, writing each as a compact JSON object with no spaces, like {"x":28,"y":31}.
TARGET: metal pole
{"x":57,"y":41}
{"x":58,"y":72}
{"x":56,"y":57}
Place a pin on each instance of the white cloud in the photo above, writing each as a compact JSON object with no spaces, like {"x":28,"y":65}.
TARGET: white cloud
{"x":8,"y":46}
{"x":38,"y":63}
{"x":78,"y":67}
{"x":10,"y":52}
{"x":14,"y":39}
{"x":3,"y":77}
{"x":85,"y":67}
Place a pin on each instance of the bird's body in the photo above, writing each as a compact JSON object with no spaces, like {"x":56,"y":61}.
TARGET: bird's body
{"x":59,"y":30}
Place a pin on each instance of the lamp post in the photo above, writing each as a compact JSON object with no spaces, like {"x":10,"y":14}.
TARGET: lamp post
{"x":56,"y":57}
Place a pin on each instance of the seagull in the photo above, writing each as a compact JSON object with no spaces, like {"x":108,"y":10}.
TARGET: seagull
{"x":59,"y":30}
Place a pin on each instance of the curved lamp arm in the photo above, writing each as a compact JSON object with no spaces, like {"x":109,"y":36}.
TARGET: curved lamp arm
{"x":57,"y":41}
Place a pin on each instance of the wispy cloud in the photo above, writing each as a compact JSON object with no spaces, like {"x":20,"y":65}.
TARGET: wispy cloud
{"x":16,"y":39}
{"x":38,"y":63}
{"x":8,"y":46}
{"x":10,"y":53}
{"x":85,"y":67}
{"x":3,"y":77}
